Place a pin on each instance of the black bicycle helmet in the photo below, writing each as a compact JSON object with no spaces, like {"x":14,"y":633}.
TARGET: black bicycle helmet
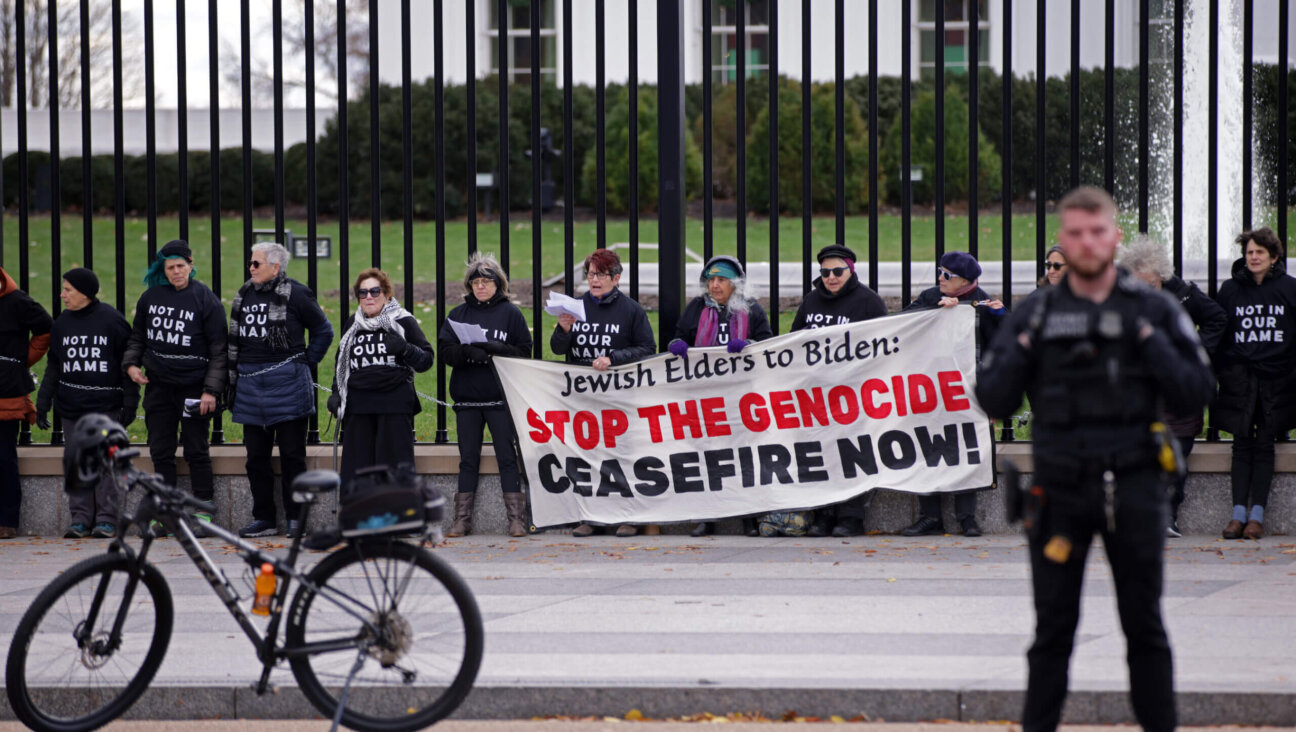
{"x":86,"y":449}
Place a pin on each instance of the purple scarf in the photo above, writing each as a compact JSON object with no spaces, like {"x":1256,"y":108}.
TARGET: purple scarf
{"x":709,"y":326}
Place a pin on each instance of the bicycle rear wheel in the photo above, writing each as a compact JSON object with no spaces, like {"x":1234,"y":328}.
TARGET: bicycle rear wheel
{"x":401,"y":611}
{"x":65,"y":671}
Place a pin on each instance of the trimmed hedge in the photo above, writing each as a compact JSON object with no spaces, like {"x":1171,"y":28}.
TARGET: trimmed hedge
{"x":922,"y":134}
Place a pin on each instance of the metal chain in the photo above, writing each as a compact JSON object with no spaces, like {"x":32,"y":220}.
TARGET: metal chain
{"x":13,"y":360}
{"x":179,"y":356}
{"x":268,"y":369}
{"x":86,"y":387}
{"x":423,"y":396}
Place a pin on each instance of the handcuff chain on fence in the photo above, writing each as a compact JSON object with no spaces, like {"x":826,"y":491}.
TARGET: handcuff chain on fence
{"x":180,"y":356}
{"x":87,"y":387}
{"x":13,"y":360}
{"x":268,"y":369}
{"x":425,"y":397}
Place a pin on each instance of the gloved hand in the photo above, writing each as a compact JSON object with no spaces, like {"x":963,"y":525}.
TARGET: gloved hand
{"x":395,"y":342}
{"x":334,"y":403}
{"x":127,"y":416}
{"x":476,"y":354}
{"x":678,"y":347}
{"x":736,"y":345}
{"x":495,"y":348}
{"x":42,"y":420}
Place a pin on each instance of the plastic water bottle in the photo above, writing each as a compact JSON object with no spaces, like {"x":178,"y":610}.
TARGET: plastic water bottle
{"x":265,"y":589}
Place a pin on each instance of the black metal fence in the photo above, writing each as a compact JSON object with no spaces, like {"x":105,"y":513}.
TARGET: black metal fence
{"x":672,"y":135}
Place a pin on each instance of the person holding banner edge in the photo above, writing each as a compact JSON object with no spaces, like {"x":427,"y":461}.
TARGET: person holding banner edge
{"x":956,"y":284}
{"x":723,"y":316}
{"x":836,"y":297}
{"x":1099,"y":357}
{"x":615,"y":331}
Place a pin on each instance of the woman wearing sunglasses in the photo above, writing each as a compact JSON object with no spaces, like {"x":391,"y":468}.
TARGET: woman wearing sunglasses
{"x":1055,"y":265}
{"x":837,"y":296}
{"x":956,"y":284}
{"x":373,"y":386}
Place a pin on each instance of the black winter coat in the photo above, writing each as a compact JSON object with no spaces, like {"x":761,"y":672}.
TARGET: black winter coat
{"x":377,"y":386}
{"x":179,"y":336}
{"x":988,"y":321}
{"x":851,"y":304}
{"x":1257,"y":356}
{"x":83,"y":368}
{"x":758,"y":325}
{"x":473,"y":380}
{"x":24,"y":328}
{"x":1211,"y":323}
{"x":616,"y":327}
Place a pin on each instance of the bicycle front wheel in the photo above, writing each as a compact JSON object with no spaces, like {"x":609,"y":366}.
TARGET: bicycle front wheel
{"x":89,"y":645}
{"x":399,"y":617}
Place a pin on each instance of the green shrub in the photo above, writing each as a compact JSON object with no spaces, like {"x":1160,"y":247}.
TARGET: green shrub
{"x":923,"y":153}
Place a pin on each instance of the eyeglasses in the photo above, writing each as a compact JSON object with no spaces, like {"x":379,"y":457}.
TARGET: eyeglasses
{"x":255,"y":264}
{"x":362,"y":293}
{"x":945,"y":274}
{"x":833,"y":271}
{"x":598,"y":276}
{"x":1055,"y":266}
{"x":482,"y":282}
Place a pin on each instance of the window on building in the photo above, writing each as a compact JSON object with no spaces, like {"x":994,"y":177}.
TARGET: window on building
{"x":724,"y":39}
{"x":518,"y":27}
{"x":957,"y":14}
{"x":1161,"y":40}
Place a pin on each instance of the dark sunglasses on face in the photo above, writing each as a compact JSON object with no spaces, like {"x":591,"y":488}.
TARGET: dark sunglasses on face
{"x":945,"y":274}
{"x":255,"y":264}
{"x":371,"y":292}
{"x":834,"y":271}
{"x":1055,"y":266}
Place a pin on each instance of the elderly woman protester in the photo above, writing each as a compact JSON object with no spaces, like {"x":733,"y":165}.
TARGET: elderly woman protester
{"x":837,"y":296}
{"x":373,"y":386}
{"x":83,"y":375}
{"x":615,"y":331}
{"x":1146,"y":259}
{"x":478,"y":401}
{"x":1256,"y":367}
{"x":723,"y":316}
{"x":273,"y":395}
{"x":956,"y":284}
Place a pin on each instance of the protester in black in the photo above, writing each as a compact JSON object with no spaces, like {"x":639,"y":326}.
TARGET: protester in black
{"x":956,"y":284}
{"x":373,"y":386}
{"x":1147,"y":260}
{"x":1098,"y":356}
{"x":24,"y":339}
{"x":1256,"y":365}
{"x":83,"y":375}
{"x":177,"y":351}
{"x":723,"y":316}
{"x":273,"y":395}
{"x":615,"y":331}
{"x":478,"y":400}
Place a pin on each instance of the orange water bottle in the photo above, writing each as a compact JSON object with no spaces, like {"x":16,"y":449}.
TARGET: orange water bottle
{"x":265,"y":589}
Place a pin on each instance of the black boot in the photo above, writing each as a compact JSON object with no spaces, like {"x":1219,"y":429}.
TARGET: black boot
{"x":750,"y":528}
{"x":702,"y":529}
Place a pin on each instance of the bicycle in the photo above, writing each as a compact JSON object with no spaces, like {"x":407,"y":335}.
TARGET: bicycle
{"x":381,"y":634}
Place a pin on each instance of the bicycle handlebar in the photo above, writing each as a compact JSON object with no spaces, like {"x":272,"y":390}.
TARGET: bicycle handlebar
{"x":153,"y":482}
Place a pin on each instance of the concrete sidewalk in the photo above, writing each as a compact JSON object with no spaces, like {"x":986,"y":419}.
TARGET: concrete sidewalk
{"x":879,"y":627}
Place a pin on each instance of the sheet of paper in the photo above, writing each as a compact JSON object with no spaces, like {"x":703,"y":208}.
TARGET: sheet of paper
{"x":558,"y":303}
{"x":467,"y":333}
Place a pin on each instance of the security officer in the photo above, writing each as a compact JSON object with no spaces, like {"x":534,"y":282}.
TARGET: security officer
{"x":1099,"y":357}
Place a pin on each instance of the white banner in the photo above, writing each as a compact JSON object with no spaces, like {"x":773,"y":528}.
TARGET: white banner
{"x":802,"y":420}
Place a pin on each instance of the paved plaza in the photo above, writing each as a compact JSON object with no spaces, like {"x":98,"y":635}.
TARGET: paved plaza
{"x":879,"y":628}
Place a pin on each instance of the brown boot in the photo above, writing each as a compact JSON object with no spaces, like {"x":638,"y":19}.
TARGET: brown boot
{"x":515,"y":507}
{"x":1233,"y":530}
{"x":462,"y":525}
{"x":1254,"y":530}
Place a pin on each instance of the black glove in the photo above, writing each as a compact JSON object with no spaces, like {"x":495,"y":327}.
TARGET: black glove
{"x":42,"y":420}
{"x":395,"y":342}
{"x":334,"y":403}
{"x":494,"y":348}
{"x":127,"y":416}
{"x":476,"y":354}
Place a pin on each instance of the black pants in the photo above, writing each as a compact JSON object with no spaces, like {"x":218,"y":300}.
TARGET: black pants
{"x":964,"y":505}
{"x":10,"y":485}
{"x":375,"y":439}
{"x":163,"y":415}
{"x":1134,"y":552}
{"x":1253,"y":463}
{"x":260,"y":441}
{"x":1186,"y":445}
{"x":96,"y":505}
{"x":472,"y":424}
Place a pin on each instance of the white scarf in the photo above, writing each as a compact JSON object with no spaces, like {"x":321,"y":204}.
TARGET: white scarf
{"x":384,"y":320}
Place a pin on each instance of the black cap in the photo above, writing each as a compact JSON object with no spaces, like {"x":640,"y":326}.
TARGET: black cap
{"x":83,"y":281}
{"x":176,"y":248}
{"x":837,"y":250}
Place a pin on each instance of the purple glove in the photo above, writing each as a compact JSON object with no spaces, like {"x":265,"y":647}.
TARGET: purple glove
{"x":678,"y":347}
{"x":736,"y":345}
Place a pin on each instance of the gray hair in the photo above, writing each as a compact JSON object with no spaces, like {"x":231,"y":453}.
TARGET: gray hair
{"x":1144,"y":254}
{"x":738,"y":302}
{"x":485,"y":265}
{"x":274,"y":253}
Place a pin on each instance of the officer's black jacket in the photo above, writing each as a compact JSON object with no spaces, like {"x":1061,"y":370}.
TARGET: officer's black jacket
{"x":1170,"y":365}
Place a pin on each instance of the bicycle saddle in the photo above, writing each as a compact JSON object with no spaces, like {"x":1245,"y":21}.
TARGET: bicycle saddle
{"x":317,"y":481}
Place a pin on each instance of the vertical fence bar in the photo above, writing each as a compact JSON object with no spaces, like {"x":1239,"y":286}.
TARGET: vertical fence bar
{"x":670,"y":163}
{"x":632,"y":47}
{"x":569,"y":162}
{"x":213,"y":90}
{"x":87,"y":187}
{"x":119,"y":163}
{"x":1212,"y":145}
{"x":182,"y":121}
{"x":1145,"y":98}
{"x":1041,"y":185}
{"x":839,"y":115}
{"x":312,"y":205}
{"x":24,"y":169}
{"x":807,"y":191}
{"x":407,"y":169}
{"x":150,"y":126}
{"x":708,"y":149}
{"x":1284,"y":60}
{"x":1248,"y":43}
{"x":438,"y":40}
{"x":740,"y":131}
{"x":1005,"y":173}
{"x":55,"y":179}
{"x":1176,"y":212}
{"x":375,"y":149}
{"x":600,"y":125}
{"x":873,"y":144}
{"x":1075,"y":93}
{"x":344,"y":156}
{"x":502,"y":162}
{"x":974,"y":50}
{"x":246,"y":245}
{"x":276,"y":44}
{"x":470,"y":93}
{"x":1109,"y":98}
{"x":906,"y":159}
{"x":773,"y":167}
{"x":938,"y":176}
{"x":537,"y":161}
